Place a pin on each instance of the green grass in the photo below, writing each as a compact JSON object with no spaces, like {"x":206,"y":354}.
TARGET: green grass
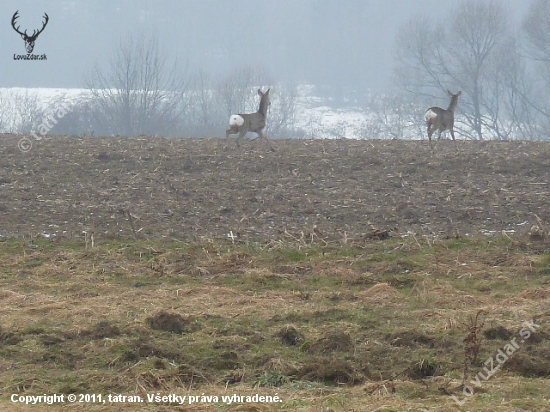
{"x":171,"y":315}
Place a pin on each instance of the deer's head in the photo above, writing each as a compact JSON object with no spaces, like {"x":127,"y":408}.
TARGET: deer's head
{"x":265,"y":101}
{"x":265,"y":95}
{"x":454,"y":99}
{"x":29,"y":40}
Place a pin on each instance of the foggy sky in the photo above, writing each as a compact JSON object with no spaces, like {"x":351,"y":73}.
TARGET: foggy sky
{"x":339,"y":43}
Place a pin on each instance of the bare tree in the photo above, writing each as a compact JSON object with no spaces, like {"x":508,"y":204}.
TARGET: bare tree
{"x":535,"y":26}
{"x":282,"y":120}
{"x":81,"y":119}
{"x":203,"y":117}
{"x":507,"y":85}
{"x":394,"y":116}
{"x":21,"y":111}
{"x":537,"y":47}
{"x":456,"y":54}
{"x":236,"y":92}
{"x":139,"y":93}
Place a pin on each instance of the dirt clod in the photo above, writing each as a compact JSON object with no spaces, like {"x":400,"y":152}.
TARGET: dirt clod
{"x":334,"y":341}
{"x":290,"y":335}
{"x":169,"y":322}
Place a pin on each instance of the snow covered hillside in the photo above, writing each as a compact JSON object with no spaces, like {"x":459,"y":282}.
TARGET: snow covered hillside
{"x":314,"y":117}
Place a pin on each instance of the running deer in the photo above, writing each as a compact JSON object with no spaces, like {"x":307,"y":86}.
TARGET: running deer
{"x":251,"y":122}
{"x":441,"y":119}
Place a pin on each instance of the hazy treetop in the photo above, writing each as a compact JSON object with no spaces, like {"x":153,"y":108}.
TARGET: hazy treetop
{"x":347,"y":43}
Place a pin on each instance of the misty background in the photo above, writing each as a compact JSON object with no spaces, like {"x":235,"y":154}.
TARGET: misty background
{"x":354,"y":54}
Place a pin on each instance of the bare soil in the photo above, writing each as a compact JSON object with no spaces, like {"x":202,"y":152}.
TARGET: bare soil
{"x":188,"y":188}
{"x":340,"y":275}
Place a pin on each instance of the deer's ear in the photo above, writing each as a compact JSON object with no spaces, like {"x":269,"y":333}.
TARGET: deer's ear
{"x":260,"y":92}
{"x":23,"y":36}
{"x":268,"y":91}
{"x":459,"y":93}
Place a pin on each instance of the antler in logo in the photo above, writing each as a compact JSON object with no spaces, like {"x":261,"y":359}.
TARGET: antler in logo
{"x":29,"y":40}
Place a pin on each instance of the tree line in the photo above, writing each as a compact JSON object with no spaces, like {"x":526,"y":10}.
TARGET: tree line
{"x":504,"y":74}
{"x":141,"y":92}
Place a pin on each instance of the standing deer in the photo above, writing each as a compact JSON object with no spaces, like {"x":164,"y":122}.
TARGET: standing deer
{"x":441,"y":119}
{"x":29,"y":40}
{"x":251,"y":122}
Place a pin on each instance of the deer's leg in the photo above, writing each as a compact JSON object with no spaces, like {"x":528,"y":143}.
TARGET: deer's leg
{"x":263,"y":136}
{"x":231,"y":130}
{"x":431,"y":129}
{"x":240,"y":137}
{"x":439,"y":136}
{"x":452,"y":133}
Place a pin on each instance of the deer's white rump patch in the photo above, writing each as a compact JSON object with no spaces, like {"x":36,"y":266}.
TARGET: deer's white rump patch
{"x":430,"y":114}
{"x":236,"y":120}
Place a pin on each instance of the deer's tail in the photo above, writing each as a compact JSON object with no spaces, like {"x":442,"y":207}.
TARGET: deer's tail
{"x":430,"y":116}
{"x":236,"y":120}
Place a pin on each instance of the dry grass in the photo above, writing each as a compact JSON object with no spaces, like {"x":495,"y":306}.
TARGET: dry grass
{"x":346,"y":332}
{"x":358,"y":296}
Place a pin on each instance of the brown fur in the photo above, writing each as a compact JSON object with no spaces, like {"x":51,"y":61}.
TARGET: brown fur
{"x":253,"y":122}
{"x":441,"y":119}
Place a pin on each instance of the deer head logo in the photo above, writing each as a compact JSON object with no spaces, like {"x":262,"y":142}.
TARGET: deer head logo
{"x":29,"y":40}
